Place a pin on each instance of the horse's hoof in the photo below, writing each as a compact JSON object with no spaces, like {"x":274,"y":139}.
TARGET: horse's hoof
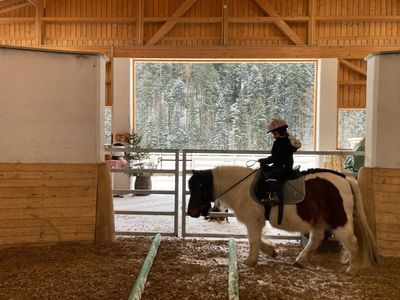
{"x":250,"y":262}
{"x":273,"y":253}
{"x":351,"y":271}
{"x":269,"y":250}
{"x":298,"y":265}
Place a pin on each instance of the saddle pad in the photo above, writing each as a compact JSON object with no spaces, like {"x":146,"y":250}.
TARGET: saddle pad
{"x":294,"y":190}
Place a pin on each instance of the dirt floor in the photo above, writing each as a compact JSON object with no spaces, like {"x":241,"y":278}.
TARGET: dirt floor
{"x":184,"y":269}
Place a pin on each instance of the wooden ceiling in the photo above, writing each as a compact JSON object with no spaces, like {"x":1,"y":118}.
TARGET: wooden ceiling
{"x":256,"y":29}
{"x":205,"y":28}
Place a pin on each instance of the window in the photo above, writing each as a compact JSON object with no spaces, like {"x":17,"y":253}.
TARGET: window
{"x":351,"y":125}
{"x":107,"y":125}
{"x":223,"y":105}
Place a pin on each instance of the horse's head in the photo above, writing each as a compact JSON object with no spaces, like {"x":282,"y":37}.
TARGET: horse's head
{"x":201,"y":193}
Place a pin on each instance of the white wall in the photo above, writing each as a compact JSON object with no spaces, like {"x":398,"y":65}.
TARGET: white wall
{"x":122,"y":95}
{"x":51,"y":107}
{"x":382,"y":142}
{"x":326,"y":105}
{"x":122,"y":118}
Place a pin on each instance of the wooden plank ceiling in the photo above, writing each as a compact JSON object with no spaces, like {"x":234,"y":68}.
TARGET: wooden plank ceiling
{"x":348,"y":30}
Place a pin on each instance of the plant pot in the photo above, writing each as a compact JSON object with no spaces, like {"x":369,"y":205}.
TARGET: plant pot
{"x":142,"y":183}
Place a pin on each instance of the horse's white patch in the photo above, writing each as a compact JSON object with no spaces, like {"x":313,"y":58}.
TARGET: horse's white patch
{"x":233,"y":186}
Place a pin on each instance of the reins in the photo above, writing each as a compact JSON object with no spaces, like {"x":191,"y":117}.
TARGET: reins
{"x":244,"y":178}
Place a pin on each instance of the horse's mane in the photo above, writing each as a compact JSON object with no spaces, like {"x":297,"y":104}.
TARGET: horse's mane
{"x":321,"y":170}
{"x":233,"y":168}
{"x":244,"y":171}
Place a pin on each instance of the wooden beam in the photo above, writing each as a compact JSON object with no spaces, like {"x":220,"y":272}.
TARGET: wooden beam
{"x":251,"y":20}
{"x":140,"y":23}
{"x":185,"y":6}
{"x":353,"y":67}
{"x":88,"y":20}
{"x":8,"y":6}
{"x":391,"y":18}
{"x":17,"y":20}
{"x":234,"y":53}
{"x":10,"y":3}
{"x":260,"y":20}
{"x":38,"y":3}
{"x":352,"y":82}
{"x":312,"y":24}
{"x":225,"y":28}
{"x":279,"y":22}
{"x":39,"y":25}
{"x":183,"y":19}
{"x":252,"y":52}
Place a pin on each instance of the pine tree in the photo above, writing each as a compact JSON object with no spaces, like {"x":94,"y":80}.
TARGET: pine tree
{"x":223,"y":106}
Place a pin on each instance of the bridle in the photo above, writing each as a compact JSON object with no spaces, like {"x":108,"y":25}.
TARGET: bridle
{"x":207,"y":203}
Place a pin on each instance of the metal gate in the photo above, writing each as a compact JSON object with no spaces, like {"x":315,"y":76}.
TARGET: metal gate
{"x":179,"y":166}
{"x":167,"y":165}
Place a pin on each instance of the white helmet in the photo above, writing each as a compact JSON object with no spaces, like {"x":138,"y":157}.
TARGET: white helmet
{"x":276,"y":124}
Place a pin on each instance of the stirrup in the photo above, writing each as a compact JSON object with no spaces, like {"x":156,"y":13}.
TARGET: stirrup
{"x":271,"y":200}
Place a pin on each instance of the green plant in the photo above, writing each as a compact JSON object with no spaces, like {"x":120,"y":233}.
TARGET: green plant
{"x":137,"y":159}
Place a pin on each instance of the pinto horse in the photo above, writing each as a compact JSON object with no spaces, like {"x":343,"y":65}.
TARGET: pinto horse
{"x":332,"y":203}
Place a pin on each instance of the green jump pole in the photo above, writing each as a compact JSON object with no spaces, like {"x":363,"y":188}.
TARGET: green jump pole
{"x":138,"y":288}
{"x":233,"y":289}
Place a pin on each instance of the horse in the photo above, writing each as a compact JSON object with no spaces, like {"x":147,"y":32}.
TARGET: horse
{"x":332,"y":203}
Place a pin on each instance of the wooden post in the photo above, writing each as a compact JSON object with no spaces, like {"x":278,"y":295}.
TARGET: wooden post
{"x":225,"y":34}
{"x":105,"y":227}
{"x":140,"y":23}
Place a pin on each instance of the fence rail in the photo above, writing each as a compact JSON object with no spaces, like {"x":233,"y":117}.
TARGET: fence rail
{"x":174,"y":170}
{"x":181,"y":163}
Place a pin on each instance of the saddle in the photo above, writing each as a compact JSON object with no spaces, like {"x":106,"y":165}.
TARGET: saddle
{"x":292,"y":191}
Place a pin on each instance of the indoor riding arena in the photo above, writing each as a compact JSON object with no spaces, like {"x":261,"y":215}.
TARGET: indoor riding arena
{"x":109,"y":110}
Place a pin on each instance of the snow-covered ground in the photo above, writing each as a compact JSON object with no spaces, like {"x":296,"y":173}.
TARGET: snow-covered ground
{"x":165,"y":224}
{"x":151,"y":223}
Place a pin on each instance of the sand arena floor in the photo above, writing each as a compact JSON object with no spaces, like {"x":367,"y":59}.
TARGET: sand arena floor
{"x":184,"y":269}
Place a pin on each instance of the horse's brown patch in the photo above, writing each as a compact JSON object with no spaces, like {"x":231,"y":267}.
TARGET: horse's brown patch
{"x":322,"y":204}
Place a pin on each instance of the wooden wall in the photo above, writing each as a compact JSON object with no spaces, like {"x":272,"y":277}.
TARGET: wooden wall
{"x":348,"y":30}
{"x":235,"y":29}
{"x":352,"y":83}
{"x":380,"y":188}
{"x":47,"y":203}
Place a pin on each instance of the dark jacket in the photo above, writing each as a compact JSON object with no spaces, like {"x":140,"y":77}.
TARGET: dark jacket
{"x":281,"y":158}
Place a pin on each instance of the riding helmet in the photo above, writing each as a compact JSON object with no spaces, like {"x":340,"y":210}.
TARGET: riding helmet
{"x":276,"y":124}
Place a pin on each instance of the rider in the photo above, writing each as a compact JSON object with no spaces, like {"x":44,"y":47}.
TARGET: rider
{"x":278,"y":166}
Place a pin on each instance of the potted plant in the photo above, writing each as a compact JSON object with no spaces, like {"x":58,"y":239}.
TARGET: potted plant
{"x":138,"y":159}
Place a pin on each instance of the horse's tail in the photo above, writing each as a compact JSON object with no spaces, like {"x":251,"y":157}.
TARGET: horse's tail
{"x":365,"y":237}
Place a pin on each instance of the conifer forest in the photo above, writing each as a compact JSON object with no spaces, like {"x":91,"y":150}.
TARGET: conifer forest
{"x":223,"y":106}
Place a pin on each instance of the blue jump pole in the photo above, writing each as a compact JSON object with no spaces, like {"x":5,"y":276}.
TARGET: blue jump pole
{"x":233,"y":289}
{"x":138,"y":288}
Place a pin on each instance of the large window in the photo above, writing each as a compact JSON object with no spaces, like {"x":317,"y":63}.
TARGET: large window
{"x":219,"y":105}
{"x":351,"y":127}
{"x":107,"y":125}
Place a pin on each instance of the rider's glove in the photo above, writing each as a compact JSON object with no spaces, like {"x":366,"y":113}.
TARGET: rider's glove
{"x":263,"y":162}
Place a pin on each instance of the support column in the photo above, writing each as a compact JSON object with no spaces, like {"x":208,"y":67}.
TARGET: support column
{"x":326,"y":122}
{"x":326,"y":105}
{"x":382,"y":143}
{"x":122,"y":108}
{"x":379,"y":179}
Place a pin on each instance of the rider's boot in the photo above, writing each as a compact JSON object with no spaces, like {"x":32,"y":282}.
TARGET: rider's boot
{"x":272,"y":188}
